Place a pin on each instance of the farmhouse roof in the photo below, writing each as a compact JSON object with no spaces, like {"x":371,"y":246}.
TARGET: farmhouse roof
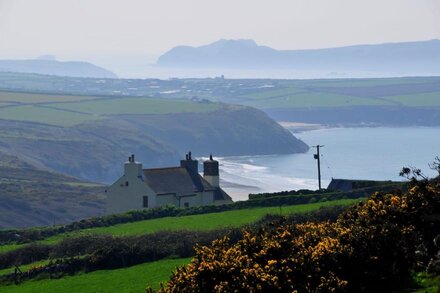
{"x":179,"y":181}
{"x":220,"y":194}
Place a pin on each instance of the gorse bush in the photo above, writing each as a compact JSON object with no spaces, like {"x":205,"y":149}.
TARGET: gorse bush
{"x":373,"y":246}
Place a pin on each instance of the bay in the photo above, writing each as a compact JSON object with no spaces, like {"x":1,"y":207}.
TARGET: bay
{"x":377,"y":153}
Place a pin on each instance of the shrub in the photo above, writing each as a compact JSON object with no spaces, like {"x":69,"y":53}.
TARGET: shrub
{"x":373,"y":246}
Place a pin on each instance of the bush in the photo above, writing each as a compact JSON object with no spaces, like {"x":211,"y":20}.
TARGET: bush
{"x":28,"y":254}
{"x":373,"y":246}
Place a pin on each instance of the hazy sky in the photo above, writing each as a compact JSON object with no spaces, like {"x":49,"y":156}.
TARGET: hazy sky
{"x":122,"y":31}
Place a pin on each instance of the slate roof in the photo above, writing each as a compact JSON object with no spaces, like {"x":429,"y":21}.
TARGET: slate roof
{"x":341,"y":185}
{"x":220,"y":194}
{"x":350,"y":184}
{"x":179,"y":181}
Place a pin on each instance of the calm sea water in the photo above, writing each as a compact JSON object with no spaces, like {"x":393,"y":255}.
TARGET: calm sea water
{"x":350,"y":153}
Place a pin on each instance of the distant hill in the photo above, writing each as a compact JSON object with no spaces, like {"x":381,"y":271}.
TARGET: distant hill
{"x":30,"y":196}
{"x":90,"y":136}
{"x":47,"y":64}
{"x":405,"y":58}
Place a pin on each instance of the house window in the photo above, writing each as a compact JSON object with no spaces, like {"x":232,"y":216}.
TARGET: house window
{"x":186,"y":204}
{"x":145,"y":201}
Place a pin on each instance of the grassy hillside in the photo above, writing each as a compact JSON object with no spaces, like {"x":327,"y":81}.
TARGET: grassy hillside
{"x":69,"y":110}
{"x":132,"y":279}
{"x":33,"y":197}
{"x":135,"y":278}
{"x":204,"y":222}
{"x":90,"y":136}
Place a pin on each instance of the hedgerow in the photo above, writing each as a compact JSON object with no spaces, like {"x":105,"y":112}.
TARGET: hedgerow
{"x":95,"y":252}
{"x":34,"y":234}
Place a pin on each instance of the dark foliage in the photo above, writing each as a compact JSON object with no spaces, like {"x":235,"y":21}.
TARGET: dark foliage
{"x":28,"y":254}
{"x":287,"y":192}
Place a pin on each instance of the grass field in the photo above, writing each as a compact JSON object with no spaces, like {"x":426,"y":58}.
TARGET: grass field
{"x":9,"y":247}
{"x":69,"y":110}
{"x":23,"y":267}
{"x":115,"y":97}
{"x":32,"y":113}
{"x":132,"y":279}
{"x":235,"y":218}
{"x":268,"y":93}
{"x":362,"y":82}
{"x":418,"y":100}
{"x":136,"y":106}
{"x":31,"y":98}
{"x":292,"y":94}
{"x":307,"y":100}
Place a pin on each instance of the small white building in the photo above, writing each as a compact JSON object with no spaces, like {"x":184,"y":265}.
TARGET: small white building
{"x":179,"y":186}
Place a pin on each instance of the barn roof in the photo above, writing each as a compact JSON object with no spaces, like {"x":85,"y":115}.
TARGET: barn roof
{"x":350,"y":184}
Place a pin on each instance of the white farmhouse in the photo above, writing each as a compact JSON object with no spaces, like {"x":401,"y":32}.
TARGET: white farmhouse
{"x":179,"y":186}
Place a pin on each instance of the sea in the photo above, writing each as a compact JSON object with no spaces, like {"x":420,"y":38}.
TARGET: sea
{"x":376,"y":153}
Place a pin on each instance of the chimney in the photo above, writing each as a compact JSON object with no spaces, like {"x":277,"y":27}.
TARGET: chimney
{"x":191,"y":165}
{"x":211,"y":172}
{"x":132,"y":168}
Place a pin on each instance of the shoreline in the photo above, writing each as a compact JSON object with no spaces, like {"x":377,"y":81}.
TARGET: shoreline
{"x":299,"y":127}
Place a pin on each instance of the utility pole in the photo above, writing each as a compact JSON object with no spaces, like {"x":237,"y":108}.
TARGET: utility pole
{"x":317,"y":157}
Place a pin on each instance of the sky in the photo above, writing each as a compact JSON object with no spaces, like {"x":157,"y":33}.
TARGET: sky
{"x":123,"y":34}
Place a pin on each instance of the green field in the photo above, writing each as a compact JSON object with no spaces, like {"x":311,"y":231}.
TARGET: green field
{"x":24,"y":267}
{"x":132,"y":279}
{"x":293,"y":94}
{"x":136,"y":278}
{"x":69,"y":110}
{"x":9,"y":247}
{"x":362,"y":82}
{"x":418,"y":100}
{"x":308,"y":100}
{"x":33,"y":113}
{"x":269,"y":93}
{"x":31,"y":98}
{"x":235,"y":218}
{"x":72,"y":101}
{"x":136,"y":106}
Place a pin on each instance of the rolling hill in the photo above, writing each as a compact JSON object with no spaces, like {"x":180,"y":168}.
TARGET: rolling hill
{"x":33,"y":197}
{"x":90,"y":136}
{"x":404,"y":101}
{"x":408,"y":58}
{"x":51,"y":66}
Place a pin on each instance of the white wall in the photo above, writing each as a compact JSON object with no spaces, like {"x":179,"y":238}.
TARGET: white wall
{"x":122,"y":198}
{"x":166,"y":199}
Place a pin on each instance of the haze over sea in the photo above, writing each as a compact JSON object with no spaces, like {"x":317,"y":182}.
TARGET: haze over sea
{"x":377,"y":153}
